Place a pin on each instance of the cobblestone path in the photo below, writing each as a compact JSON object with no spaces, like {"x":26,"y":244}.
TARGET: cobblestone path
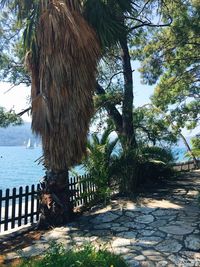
{"x":160,"y":228}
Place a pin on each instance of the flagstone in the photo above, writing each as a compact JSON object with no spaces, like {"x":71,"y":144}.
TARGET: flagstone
{"x":177,"y":229}
{"x":170,"y":246}
{"x":144,"y":219}
{"x":193,"y":242}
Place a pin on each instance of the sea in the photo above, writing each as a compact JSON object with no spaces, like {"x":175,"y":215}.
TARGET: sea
{"x":19,"y":165}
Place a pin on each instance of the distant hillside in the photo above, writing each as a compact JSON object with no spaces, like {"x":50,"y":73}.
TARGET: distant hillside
{"x":17,"y":135}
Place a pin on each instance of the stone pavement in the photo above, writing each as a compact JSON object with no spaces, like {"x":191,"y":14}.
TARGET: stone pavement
{"x":160,"y":228}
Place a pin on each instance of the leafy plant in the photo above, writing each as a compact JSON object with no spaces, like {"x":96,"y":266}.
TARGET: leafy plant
{"x":87,"y":256}
{"x":142,"y":165}
{"x":195,"y":148}
{"x":99,"y":161}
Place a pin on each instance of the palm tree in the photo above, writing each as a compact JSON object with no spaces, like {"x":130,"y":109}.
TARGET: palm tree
{"x":62,"y":52}
{"x":100,"y":159}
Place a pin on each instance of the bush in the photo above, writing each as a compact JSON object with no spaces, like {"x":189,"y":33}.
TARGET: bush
{"x":140,"y":166}
{"x":155,"y":164}
{"x":88,"y":256}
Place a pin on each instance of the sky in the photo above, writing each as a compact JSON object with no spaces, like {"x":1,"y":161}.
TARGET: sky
{"x":18,"y":98}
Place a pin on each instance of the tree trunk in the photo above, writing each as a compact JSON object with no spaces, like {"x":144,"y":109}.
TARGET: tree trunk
{"x":112,"y":111}
{"x":55,"y":206}
{"x":127,"y":108}
{"x":189,"y":149}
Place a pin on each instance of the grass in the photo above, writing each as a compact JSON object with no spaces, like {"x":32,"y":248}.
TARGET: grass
{"x":88,"y":256}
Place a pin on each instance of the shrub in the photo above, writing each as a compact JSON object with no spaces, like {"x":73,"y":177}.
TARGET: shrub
{"x":142,"y":165}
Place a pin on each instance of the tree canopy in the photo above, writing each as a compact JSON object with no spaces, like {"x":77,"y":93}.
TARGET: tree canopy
{"x":170,"y":58}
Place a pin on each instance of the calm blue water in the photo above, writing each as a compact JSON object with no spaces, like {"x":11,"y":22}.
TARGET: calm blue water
{"x":18,"y":166}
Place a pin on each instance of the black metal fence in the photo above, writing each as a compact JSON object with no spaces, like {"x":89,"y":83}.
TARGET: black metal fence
{"x":21,"y":206}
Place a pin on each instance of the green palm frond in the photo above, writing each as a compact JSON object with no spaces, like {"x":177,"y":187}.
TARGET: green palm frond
{"x":195,"y":152}
{"x":110,"y":147}
{"x":106,"y":17}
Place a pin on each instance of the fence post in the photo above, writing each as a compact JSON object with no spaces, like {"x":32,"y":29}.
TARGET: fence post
{"x":38,"y":203}
{"x":6,"y":209}
{"x":13,"y":208}
{"x":84,"y":190}
{"x":20,"y":207}
{"x":32,"y":201}
{"x":26,"y":205}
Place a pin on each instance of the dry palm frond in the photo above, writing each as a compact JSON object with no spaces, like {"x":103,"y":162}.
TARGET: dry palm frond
{"x":63,"y":80}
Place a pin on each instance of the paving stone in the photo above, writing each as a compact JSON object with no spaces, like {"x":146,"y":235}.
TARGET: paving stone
{"x":193,"y":242}
{"x":170,"y":246}
{"x":102,"y":226}
{"x":129,"y":256}
{"x":177,"y":229}
{"x":155,"y":258}
{"x":146,"y":210}
{"x":151,"y":252}
{"x":100,"y":233}
{"x":162,"y":264}
{"x":179,"y":261}
{"x":134,"y":225}
{"x":160,"y":234}
{"x":158,"y":223}
{"x":191,"y":254}
{"x":121,"y":242}
{"x":140,"y":258}
{"x":124,"y":219}
{"x":133,"y":263}
{"x":144,"y":219}
{"x":149,"y":241}
{"x":103,"y":218}
{"x":121,"y":250}
{"x":177,"y":237}
{"x":164,"y":212}
{"x":117,"y":212}
{"x":147,"y":232}
{"x":168,"y":217}
{"x":119,"y":229}
{"x":128,"y":235}
{"x":132,"y":214}
{"x":34,"y":250}
{"x":147,"y":264}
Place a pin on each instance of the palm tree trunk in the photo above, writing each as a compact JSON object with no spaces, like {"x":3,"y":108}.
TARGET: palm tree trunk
{"x":55,"y":205}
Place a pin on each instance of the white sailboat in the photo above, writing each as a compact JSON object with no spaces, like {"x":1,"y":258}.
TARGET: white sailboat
{"x":29,"y":144}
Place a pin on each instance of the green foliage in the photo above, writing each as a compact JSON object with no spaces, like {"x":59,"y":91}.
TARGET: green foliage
{"x":195,"y":151}
{"x":171,"y":57}
{"x":100,"y":160}
{"x":9,"y":118}
{"x":152,"y":126}
{"x":155,"y":164}
{"x":142,"y":165}
{"x":107,"y":18}
{"x":88,"y":256}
